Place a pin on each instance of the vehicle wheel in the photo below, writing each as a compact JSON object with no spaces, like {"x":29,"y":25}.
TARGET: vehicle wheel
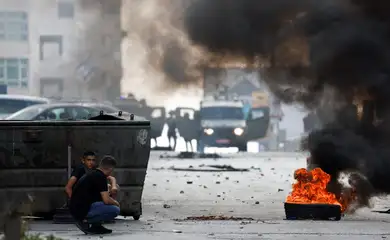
{"x":136,"y":217}
{"x":242,"y":148}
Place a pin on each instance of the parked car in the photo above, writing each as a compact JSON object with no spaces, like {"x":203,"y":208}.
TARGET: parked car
{"x":10,"y":104}
{"x":57,"y":111}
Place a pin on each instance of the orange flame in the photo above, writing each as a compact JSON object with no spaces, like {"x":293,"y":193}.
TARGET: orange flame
{"x":311,"y":188}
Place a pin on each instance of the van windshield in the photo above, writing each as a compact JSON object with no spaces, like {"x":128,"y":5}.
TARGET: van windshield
{"x":9,"y":106}
{"x":222,"y":113}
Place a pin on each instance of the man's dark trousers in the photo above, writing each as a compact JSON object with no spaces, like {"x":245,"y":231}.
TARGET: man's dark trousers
{"x":100,"y":212}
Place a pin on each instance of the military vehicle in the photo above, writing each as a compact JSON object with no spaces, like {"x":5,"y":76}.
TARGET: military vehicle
{"x":259,"y":119}
{"x":222,"y":124}
{"x":262,"y":111}
{"x":156,"y":115}
{"x":36,"y":158}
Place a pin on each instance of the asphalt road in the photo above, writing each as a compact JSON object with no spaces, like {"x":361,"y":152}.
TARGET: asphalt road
{"x":171,"y":196}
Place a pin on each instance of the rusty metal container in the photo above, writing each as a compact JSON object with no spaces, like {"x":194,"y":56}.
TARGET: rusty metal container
{"x":35,"y":159}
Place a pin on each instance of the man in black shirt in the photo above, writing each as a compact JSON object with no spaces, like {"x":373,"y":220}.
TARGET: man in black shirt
{"x":88,"y":162}
{"x":90,"y":203}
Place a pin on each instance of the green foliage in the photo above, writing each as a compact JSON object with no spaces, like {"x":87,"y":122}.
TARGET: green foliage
{"x":39,"y":237}
{"x":26,"y":236}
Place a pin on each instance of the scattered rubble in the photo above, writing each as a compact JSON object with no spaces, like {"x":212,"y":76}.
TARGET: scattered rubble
{"x":192,"y":155}
{"x":210,"y":168}
{"x":229,"y":168}
{"x":215,"y":218}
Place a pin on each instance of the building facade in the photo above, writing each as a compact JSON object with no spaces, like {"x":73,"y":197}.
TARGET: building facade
{"x":39,"y":49}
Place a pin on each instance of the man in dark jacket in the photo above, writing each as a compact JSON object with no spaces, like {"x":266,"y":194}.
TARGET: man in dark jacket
{"x":90,"y":203}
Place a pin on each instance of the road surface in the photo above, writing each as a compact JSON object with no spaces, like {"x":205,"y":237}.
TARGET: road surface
{"x":172,"y":196}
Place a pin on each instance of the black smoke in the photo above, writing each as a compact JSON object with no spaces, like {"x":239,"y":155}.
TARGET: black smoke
{"x":322,"y":54}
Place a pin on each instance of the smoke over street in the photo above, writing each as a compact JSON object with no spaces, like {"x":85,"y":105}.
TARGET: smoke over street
{"x":327,"y":54}
{"x":157,"y":53}
{"x":320,"y":53}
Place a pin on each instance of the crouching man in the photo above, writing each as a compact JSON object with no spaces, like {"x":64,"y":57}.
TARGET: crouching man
{"x":91,"y":203}
{"x":88,"y":162}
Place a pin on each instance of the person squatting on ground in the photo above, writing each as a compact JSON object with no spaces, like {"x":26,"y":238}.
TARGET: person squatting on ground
{"x":88,"y":163}
{"x":91,"y":203}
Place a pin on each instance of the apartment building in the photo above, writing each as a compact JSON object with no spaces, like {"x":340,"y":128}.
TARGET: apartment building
{"x":39,"y":55}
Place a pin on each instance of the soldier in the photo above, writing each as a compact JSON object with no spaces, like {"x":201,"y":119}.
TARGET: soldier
{"x":172,"y":129}
{"x":187,"y":131}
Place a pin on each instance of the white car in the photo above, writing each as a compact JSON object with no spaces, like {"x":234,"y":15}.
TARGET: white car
{"x":10,"y":104}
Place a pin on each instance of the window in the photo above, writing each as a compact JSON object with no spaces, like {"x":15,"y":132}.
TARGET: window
{"x":219,"y":113}
{"x":53,"y":40}
{"x":9,"y":106}
{"x":65,"y":9}
{"x":14,"y":72}
{"x":79,"y":113}
{"x":13,"y":26}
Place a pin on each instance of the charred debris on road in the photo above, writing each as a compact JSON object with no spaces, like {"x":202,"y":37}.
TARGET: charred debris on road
{"x":210,"y":168}
{"x":214,"y":218}
{"x":192,"y":155}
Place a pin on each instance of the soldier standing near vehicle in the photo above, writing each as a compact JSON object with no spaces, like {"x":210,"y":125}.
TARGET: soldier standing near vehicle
{"x":186,"y":132}
{"x":172,"y":129}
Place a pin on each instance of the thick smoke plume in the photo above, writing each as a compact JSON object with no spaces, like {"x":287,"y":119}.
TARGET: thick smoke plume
{"x":330,"y":55}
{"x":157,"y":54}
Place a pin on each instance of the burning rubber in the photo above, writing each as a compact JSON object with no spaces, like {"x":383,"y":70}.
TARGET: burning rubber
{"x":310,"y":198}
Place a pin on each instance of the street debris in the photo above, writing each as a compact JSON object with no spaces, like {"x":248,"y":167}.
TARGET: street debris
{"x":210,"y":168}
{"x":229,"y":168}
{"x":384,"y":211}
{"x":215,"y":218}
{"x":166,"y":206}
{"x":192,"y":155}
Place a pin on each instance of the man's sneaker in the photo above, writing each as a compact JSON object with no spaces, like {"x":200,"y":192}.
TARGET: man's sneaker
{"x":83,"y":226}
{"x":98,"y":229}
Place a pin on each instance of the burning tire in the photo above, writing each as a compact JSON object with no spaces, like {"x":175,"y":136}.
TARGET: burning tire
{"x":310,"y":198}
{"x":312,"y":211}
